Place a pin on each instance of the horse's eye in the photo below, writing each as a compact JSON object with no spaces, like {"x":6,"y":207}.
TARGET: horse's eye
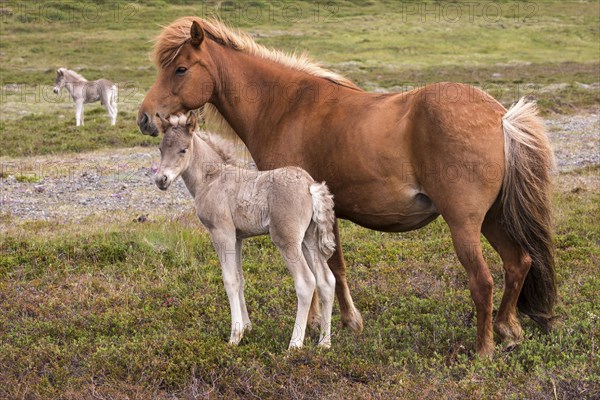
{"x":180,"y":70}
{"x":182,"y":151}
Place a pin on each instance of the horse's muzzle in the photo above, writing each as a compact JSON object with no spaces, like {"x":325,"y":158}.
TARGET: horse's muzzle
{"x":162,"y":181}
{"x":146,"y":124}
{"x":55,"y":90}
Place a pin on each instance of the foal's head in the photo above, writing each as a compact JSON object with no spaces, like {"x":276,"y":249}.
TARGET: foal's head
{"x":184,"y":82}
{"x":60,"y":80}
{"x":175,"y":147}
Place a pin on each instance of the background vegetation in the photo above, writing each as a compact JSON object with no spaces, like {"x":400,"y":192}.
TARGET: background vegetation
{"x":137,"y":310}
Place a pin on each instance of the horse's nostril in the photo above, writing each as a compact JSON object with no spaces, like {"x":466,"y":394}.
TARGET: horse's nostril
{"x":144,"y":120}
{"x":161,"y":181}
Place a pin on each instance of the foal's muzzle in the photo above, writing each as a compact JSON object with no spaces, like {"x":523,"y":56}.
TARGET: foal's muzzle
{"x":162,"y":181}
{"x":146,"y":124}
{"x":55,"y":90}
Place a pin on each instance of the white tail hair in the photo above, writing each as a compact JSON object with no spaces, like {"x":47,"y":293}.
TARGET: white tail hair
{"x":526,"y":205}
{"x":323,"y":217}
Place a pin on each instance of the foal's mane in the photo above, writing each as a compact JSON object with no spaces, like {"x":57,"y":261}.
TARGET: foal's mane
{"x":174,"y":36}
{"x":226,"y":149}
{"x":73,"y":74}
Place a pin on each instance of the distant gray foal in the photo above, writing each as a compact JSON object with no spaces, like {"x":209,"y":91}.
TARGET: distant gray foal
{"x":83,"y":91}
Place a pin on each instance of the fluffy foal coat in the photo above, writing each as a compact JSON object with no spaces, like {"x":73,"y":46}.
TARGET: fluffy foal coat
{"x":235,"y":203}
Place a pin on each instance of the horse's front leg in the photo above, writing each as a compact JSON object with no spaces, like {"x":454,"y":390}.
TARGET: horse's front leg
{"x":226,"y":247}
{"x":350,"y":315}
{"x":79,"y":112}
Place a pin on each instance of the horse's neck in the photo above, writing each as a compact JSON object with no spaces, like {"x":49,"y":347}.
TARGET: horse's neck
{"x":71,"y":81}
{"x":263,"y":85}
{"x":205,"y":166}
{"x":71,"y":77}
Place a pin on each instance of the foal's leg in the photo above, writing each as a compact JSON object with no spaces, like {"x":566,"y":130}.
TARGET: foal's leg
{"x":516,"y":264}
{"x":111,"y":111}
{"x":225,"y":245}
{"x":238,"y":260}
{"x":325,"y":286}
{"x":79,"y":112}
{"x":111,"y":106}
{"x":350,"y":315}
{"x":304,"y":282}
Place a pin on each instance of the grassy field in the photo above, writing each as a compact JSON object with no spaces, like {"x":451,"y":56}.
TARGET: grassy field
{"x":132,"y":310}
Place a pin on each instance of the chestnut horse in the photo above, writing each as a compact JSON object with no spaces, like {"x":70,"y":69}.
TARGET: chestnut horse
{"x":393,"y":162}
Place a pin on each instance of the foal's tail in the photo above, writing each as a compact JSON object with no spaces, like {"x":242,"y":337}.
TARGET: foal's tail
{"x":526,"y":205}
{"x":323,"y":217}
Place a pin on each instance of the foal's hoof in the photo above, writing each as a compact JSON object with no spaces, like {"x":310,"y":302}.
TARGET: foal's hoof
{"x":295,"y":345}
{"x":324,"y":345}
{"x":235,"y":339}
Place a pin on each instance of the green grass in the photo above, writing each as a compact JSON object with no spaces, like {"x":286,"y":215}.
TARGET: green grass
{"x":508,"y":48}
{"x":139,"y":310}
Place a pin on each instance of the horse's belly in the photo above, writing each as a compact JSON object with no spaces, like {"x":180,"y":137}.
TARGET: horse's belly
{"x":389,"y":212}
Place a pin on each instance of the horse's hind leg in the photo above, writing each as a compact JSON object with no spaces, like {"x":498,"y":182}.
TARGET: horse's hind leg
{"x":516,"y":264}
{"x":466,"y":237}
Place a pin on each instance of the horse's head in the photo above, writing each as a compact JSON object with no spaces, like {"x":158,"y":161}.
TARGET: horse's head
{"x":60,"y":80}
{"x":184,"y":81}
{"x":175,"y":148}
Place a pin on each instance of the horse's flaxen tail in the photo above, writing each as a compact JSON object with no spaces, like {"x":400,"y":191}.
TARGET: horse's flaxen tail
{"x":323,"y":217}
{"x":526,"y":206}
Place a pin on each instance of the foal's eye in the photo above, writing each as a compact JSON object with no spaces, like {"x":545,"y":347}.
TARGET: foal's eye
{"x":182,"y":151}
{"x":180,"y":70}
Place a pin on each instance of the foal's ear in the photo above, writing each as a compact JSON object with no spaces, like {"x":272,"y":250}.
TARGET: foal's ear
{"x":163,"y":124}
{"x":196,"y":34}
{"x":59,"y":71}
{"x":191,"y":123}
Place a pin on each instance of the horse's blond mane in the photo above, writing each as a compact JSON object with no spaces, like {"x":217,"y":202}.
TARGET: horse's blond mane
{"x":73,"y":74}
{"x":170,"y":41}
{"x":175,"y":35}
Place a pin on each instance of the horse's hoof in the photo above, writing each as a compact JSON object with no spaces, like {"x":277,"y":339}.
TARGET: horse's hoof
{"x":509,"y":346}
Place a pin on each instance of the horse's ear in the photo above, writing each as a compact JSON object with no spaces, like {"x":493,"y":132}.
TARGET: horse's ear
{"x":196,"y":34}
{"x":59,"y":71}
{"x":163,"y":124}
{"x":192,"y":122}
